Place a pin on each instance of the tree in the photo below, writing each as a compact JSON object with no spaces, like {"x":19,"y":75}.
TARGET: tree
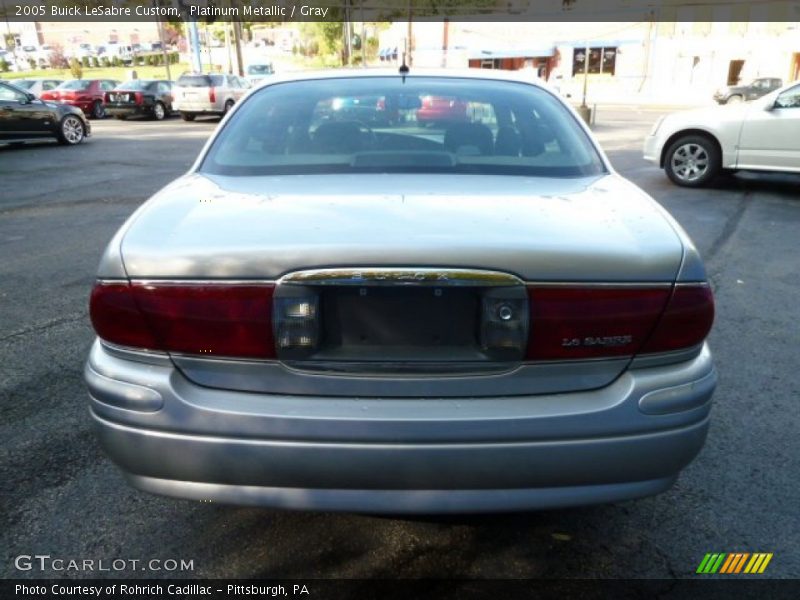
{"x":57,"y":58}
{"x":75,"y":68}
{"x":327,"y":35}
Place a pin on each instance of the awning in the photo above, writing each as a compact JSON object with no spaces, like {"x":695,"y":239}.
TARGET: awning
{"x":527,"y":52}
{"x":601,"y":43}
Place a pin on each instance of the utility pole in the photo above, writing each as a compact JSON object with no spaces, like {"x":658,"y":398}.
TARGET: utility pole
{"x":164,"y":52}
{"x":363,"y":39}
{"x":237,"y":42}
{"x":194,"y":42}
{"x":228,"y":49}
{"x":409,"y":44}
{"x":347,"y":48}
{"x":10,"y":36}
{"x":445,"y":40}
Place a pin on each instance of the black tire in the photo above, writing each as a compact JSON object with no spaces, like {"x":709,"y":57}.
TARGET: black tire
{"x":120,"y":117}
{"x":188,"y":116}
{"x":734,"y":99}
{"x":692,"y":161}
{"x":98,"y":110}
{"x":71,"y":131}
{"x":159,"y":111}
{"x":228,"y":107}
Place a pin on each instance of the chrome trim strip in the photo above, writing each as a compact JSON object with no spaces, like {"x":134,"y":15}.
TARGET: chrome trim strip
{"x":600,"y":284}
{"x":504,"y":279}
{"x":253,"y":282}
{"x":371,"y":276}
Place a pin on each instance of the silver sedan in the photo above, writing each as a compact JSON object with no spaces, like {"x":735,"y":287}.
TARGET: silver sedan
{"x":344,"y":307}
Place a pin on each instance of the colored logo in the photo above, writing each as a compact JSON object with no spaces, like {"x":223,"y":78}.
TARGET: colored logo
{"x":735,"y":562}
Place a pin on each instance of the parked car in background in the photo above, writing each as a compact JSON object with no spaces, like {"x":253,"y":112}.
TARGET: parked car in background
{"x":123,"y":52}
{"x":257,"y":72}
{"x":441,"y":110}
{"x":140,"y":97}
{"x":84,"y":50}
{"x":732,"y":94}
{"x":24,"y":117}
{"x":37,"y":85}
{"x":86,"y":94}
{"x":321,"y":315}
{"x":694,"y":146}
{"x":200,"y":94}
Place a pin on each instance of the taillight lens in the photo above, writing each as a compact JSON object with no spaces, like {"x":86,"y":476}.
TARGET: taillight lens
{"x":117,"y":319}
{"x":138,"y":97}
{"x":591,"y":322}
{"x":686,"y":321}
{"x":605,"y":321}
{"x":106,"y":98}
{"x":224,"y":320}
{"x":212,"y":94}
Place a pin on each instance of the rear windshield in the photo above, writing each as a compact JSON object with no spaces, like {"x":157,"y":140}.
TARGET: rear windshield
{"x":135,"y":84}
{"x":76,"y":84}
{"x":412,"y":125}
{"x":200,"y":80}
{"x":259,"y":70}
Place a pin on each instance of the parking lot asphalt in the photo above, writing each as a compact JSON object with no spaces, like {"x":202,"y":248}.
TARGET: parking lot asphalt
{"x":62,"y":497}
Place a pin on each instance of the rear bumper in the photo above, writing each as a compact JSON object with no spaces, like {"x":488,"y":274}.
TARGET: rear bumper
{"x":129,"y":111}
{"x":652,"y":149}
{"x":626,"y":440}
{"x":198,"y":107}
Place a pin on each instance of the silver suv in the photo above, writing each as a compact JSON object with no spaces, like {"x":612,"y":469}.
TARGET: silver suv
{"x":198,"y":94}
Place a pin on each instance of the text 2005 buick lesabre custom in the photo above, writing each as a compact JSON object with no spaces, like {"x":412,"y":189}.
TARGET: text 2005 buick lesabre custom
{"x":376,"y":314}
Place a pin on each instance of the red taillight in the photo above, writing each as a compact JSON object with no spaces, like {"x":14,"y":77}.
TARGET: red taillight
{"x":591,"y":322}
{"x":116,"y":317}
{"x":106,"y":98}
{"x":686,"y":321}
{"x":205,"y":319}
{"x":138,"y":97}
{"x":606,"y":321}
{"x":212,"y":94}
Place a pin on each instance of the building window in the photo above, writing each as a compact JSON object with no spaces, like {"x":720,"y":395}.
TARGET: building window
{"x":601,"y":60}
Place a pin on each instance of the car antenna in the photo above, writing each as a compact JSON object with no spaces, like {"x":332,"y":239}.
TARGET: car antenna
{"x":404,"y":70}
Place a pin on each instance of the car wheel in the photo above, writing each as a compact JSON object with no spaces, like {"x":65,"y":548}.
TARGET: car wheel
{"x":159,"y":112}
{"x":120,"y":117}
{"x":98,"y":110}
{"x":188,"y":116}
{"x":228,"y":107}
{"x":735,"y":99}
{"x":71,"y":131}
{"x":692,"y":161}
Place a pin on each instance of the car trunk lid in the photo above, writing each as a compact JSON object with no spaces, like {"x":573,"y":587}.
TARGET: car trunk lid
{"x":394,"y":268}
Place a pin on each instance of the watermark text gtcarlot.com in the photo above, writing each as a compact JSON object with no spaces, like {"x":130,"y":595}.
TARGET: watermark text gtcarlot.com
{"x":45,"y":563}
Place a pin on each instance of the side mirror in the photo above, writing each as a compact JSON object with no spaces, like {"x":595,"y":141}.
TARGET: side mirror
{"x":29,"y":98}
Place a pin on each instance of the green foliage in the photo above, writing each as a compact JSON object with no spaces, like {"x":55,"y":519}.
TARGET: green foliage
{"x":327,"y":35}
{"x":95,"y":62}
{"x":104,"y":62}
{"x":5,"y":67}
{"x":372,"y":48}
{"x":115,"y":61}
{"x":75,"y":68}
{"x":32,"y":63}
{"x":85,"y":62}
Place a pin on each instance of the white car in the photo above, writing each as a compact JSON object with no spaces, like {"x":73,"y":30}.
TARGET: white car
{"x":694,"y":146}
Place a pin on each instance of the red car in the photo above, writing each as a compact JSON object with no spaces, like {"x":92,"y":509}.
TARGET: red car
{"x":86,"y":94}
{"x":440,"y":109}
